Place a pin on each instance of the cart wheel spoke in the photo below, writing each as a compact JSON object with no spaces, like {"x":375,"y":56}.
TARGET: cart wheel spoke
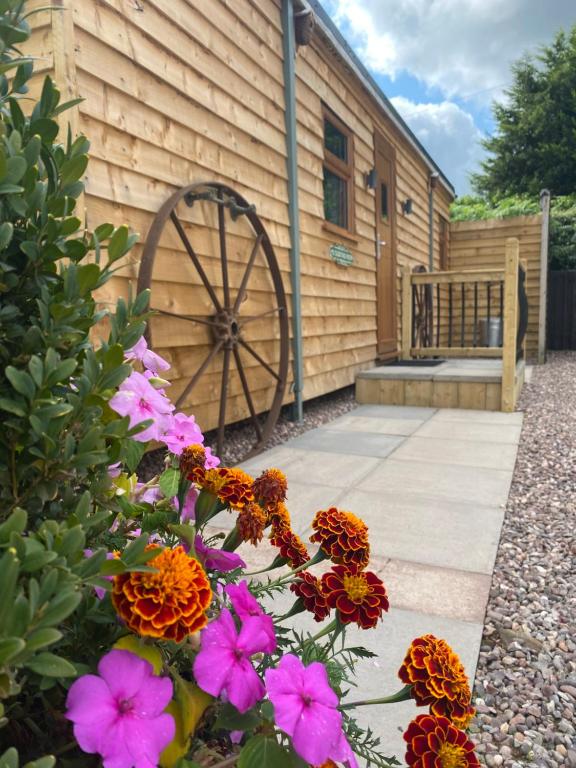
{"x":192,"y":383}
{"x":261,"y":360}
{"x":223,"y":256}
{"x":253,"y":318}
{"x":246,"y":275}
{"x":223,"y":398}
{"x":192,"y":253}
{"x":190,"y":318}
{"x":247,"y":394}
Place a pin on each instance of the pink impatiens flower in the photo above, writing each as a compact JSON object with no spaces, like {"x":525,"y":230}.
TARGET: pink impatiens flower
{"x":211,"y":460}
{"x":150,"y":360}
{"x":223,"y":664}
{"x":214,"y":559}
{"x":119,"y":713}
{"x":246,"y":605}
{"x":137,"y":399}
{"x":306,"y":708}
{"x":181,"y":431}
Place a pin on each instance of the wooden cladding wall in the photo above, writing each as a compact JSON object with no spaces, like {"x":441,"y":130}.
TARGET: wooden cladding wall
{"x":482,"y":245}
{"x":193,"y":91}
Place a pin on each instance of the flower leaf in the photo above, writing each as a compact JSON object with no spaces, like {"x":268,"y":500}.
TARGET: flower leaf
{"x":264,"y":750}
{"x":169,"y":481}
{"x":50,"y":665}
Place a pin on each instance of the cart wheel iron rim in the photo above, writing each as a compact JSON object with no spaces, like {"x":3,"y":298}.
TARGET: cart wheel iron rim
{"x":226,"y":322}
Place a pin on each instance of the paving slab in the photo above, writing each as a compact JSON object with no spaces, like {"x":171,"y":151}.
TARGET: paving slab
{"x":337,"y":470}
{"x":405,"y":526}
{"x":471,"y":430}
{"x":448,"y":592}
{"x":441,"y":481}
{"x":374,"y":424}
{"x":394,"y":412}
{"x":470,"y":453}
{"x":348,"y":442}
{"x":479,"y":417}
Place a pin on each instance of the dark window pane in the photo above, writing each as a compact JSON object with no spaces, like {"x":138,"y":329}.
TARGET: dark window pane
{"x":335,"y":199}
{"x":335,"y":141}
{"x":384,"y":202}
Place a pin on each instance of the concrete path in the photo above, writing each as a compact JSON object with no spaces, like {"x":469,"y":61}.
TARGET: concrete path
{"x":432,"y":486}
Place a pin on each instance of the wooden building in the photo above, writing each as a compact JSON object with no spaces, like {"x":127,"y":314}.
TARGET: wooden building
{"x":209,"y":91}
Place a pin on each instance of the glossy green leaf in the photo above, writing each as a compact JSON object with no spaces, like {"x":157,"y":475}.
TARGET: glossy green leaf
{"x":50,"y":665}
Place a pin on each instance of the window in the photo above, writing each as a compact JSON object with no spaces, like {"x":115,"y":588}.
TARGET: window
{"x":338,"y":169}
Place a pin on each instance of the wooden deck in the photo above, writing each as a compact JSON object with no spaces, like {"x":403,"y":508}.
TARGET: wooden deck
{"x":457,"y":383}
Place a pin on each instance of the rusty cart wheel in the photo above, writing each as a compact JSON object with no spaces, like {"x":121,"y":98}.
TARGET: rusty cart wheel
{"x":215,"y":302}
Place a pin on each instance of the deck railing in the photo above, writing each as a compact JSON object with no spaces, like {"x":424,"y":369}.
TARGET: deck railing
{"x":469,"y":313}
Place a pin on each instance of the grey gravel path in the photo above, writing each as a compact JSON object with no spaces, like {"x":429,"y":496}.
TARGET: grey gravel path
{"x":526,"y":675}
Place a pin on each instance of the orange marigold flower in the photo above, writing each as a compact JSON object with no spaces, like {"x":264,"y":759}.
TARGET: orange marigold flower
{"x":279,"y":517}
{"x":434,"y":742}
{"x":291,"y":546}
{"x":309,"y":590}
{"x":191,"y":458}
{"x":270,"y":488}
{"x":251,"y":522}
{"x":169,"y":602}
{"x":358,"y":596}
{"x":231,"y":485}
{"x":342,"y":536}
{"x":438,"y":679}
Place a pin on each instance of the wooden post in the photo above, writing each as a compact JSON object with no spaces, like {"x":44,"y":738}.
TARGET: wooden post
{"x":406,"y":312}
{"x":510,"y":324}
{"x":545,"y":205}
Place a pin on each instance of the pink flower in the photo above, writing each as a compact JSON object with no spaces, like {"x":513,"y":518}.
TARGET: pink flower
{"x":223,"y":664}
{"x":214,"y":559}
{"x":150,"y":360}
{"x":181,"y":432}
{"x":149,"y":494}
{"x":137,"y":399}
{"x":305,"y":707}
{"x":114,"y":470}
{"x":211,"y":460}
{"x":188,"y":511}
{"x":246,"y":606}
{"x":120,"y":713}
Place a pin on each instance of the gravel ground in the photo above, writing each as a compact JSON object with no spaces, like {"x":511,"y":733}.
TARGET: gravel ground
{"x":240,"y":437}
{"x":526,"y":677}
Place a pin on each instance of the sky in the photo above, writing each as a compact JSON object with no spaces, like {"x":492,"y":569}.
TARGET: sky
{"x":443,"y":62}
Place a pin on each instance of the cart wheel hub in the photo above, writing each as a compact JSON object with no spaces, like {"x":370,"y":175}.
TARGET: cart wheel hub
{"x":227,"y":327}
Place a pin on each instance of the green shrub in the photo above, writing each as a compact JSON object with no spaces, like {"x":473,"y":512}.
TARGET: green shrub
{"x":58,"y":433}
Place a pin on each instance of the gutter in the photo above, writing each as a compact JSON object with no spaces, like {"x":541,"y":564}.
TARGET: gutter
{"x":289,"y":53}
{"x":343,"y":49}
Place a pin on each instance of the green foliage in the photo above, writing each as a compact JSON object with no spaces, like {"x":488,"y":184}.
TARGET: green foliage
{"x":58,"y":433}
{"x":562,"y":246}
{"x":534,"y":146}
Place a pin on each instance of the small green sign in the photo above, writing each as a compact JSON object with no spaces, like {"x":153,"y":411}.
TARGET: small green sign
{"x":341,"y":255}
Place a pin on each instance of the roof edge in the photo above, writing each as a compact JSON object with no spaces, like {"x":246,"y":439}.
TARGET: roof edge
{"x":345,"y":51}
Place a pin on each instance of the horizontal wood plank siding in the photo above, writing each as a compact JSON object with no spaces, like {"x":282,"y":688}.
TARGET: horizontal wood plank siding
{"x":482,"y":245}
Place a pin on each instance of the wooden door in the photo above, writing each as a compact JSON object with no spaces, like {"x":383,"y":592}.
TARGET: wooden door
{"x":386,"y":280}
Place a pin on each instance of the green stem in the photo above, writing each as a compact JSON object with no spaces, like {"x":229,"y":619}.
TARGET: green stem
{"x":404,"y":694}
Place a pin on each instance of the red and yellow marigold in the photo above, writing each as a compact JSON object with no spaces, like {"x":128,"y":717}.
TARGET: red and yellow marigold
{"x":169,"y":602}
{"x":279,"y":517}
{"x":434,"y":742}
{"x":270,"y":488}
{"x":231,"y":485}
{"x":191,"y":458}
{"x":438,"y":679}
{"x":358,"y":596}
{"x":342,"y":536}
{"x":251,"y":522}
{"x":292,"y":548}
{"x":309,"y":590}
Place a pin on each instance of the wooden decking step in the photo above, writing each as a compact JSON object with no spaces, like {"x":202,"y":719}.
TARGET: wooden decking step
{"x":457,"y":383}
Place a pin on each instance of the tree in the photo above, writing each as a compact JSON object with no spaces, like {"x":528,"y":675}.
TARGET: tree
{"x":534,"y":145}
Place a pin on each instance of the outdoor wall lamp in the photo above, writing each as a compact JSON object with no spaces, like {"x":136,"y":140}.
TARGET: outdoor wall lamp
{"x":407,"y":206}
{"x":370,"y":179}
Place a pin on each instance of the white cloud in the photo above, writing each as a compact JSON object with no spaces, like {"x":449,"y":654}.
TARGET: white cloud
{"x":449,"y":134}
{"x":463,"y":47}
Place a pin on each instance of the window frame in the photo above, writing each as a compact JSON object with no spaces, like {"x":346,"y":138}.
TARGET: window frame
{"x":343,"y":169}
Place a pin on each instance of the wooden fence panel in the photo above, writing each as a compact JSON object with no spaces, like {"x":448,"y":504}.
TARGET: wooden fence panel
{"x":562,"y":310}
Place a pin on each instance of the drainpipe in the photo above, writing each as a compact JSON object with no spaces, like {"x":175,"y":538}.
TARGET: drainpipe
{"x":434,"y":177}
{"x":289,"y":50}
